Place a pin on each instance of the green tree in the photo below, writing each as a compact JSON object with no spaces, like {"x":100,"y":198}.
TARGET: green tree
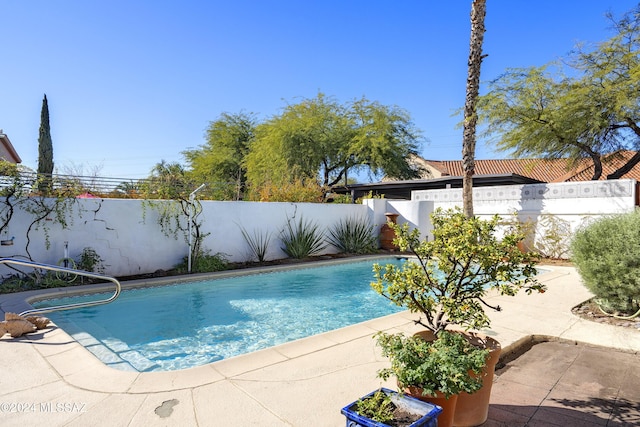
{"x":45,"y":150}
{"x":126,"y":189}
{"x":220,"y":161}
{"x":166,"y":181}
{"x":323,"y":140}
{"x":587,"y":106}
{"x":537,"y":114}
{"x":384,"y":140}
{"x":612,"y":84}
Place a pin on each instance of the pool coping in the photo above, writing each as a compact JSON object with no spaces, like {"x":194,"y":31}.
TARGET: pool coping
{"x":66,"y":345}
{"x":81,"y":368}
{"x":293,"y":384}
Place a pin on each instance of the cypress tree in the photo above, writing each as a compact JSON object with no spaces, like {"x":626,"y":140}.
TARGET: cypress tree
{"x":45,"y":150}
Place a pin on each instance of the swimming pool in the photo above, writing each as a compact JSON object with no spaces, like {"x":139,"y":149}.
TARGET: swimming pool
{"x":194,"y":323}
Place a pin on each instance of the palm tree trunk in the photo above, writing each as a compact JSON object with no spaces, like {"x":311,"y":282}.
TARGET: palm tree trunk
{"x":478,"y":11}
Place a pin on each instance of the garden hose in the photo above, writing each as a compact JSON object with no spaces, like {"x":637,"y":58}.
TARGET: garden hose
{"x":633,"y":316}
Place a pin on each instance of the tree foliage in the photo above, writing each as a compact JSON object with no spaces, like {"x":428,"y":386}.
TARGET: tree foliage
{"x":587,"y":106}
{"x":220,"y":161}
{"x":167,"y":181}
{"x":301,"y":152}
{"x":320,"y":139}
{"x":45,"y":150}
{"x":295,"y":190}
{"x":454,"y":272}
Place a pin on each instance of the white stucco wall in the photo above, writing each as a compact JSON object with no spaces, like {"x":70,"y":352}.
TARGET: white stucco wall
{"x":128,"y":238}
{"x":415,"y":212}
{"x":565,"y":206}
{"x":225,"y":219}
{"x":130,"y":241}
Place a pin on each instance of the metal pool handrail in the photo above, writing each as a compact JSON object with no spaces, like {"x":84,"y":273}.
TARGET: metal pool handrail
{"x":71,"y":271}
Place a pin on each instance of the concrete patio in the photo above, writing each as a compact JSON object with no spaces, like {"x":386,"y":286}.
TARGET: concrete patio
{"x":47,"y":379}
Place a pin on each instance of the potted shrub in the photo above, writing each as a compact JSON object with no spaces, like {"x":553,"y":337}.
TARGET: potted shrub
{"x":449,"y":279}
{"x":385,"y":407}
{"x":436,"y":370}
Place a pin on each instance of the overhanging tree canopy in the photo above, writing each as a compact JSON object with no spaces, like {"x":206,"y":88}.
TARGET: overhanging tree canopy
{"x":586,"y":107}
{"x":321,"y":139}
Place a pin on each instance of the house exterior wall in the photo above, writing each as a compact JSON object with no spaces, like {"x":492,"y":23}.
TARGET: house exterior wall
{"x":6,"y":155}
{"x":7,"y":151}
{"x":547,"y":209}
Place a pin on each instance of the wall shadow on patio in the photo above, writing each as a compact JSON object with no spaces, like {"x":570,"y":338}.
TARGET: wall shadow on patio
{"x":567,"y":413}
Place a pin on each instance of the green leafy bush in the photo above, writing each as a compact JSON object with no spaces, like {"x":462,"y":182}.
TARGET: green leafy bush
{"x":448,"y":364}
{"x":378,"y":407}
{"x":15,"y":283}
{"x":27,"y":282}
{"x":204,"y":263}
{"x":91,"y":261}
{"x":607,"y":256}
{"x":354,"y":236}
{"x":302,"y":239}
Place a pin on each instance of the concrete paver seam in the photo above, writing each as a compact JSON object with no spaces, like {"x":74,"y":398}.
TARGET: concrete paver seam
{"x":74,"y":419}
{"x":193,"y":408}
{"x":308,"y":378}
{"x":259,"y":403}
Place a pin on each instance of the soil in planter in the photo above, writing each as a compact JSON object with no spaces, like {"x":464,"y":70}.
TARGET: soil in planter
{"x":402,"y":418}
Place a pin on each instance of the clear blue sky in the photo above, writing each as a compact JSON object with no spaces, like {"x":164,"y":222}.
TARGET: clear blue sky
{"x":130,"y":83}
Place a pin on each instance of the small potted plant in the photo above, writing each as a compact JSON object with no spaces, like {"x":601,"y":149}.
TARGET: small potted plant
{"x":385,"y":407}
{"x":448,"y":282}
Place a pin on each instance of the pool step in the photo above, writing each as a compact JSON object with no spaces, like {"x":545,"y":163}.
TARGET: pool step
{"x":111,"y":351}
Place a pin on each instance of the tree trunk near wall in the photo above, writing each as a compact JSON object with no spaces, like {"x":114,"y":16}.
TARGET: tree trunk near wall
{"x":478,"y":11}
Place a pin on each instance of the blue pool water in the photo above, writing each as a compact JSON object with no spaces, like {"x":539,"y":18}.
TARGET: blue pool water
{"x":191,"y":324}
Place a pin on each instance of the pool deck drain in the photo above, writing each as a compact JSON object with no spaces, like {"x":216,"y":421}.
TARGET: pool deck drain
{"x":48,"y":379}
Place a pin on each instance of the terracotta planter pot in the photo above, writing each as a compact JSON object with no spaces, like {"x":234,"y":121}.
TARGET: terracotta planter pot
{"x":387,"y":234}
{"x":445,"y":419}
{"x":473,"y":409}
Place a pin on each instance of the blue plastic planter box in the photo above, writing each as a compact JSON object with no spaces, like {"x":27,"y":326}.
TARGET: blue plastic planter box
{"x":428,"y":411}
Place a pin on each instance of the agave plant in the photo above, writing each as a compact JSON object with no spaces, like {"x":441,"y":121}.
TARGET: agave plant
{"x":302,"y":239}
{"x":353,"y":235}
{"x":258,"y":243}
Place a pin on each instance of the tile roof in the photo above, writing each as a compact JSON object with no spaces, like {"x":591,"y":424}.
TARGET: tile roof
{"x":547,"y":170}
